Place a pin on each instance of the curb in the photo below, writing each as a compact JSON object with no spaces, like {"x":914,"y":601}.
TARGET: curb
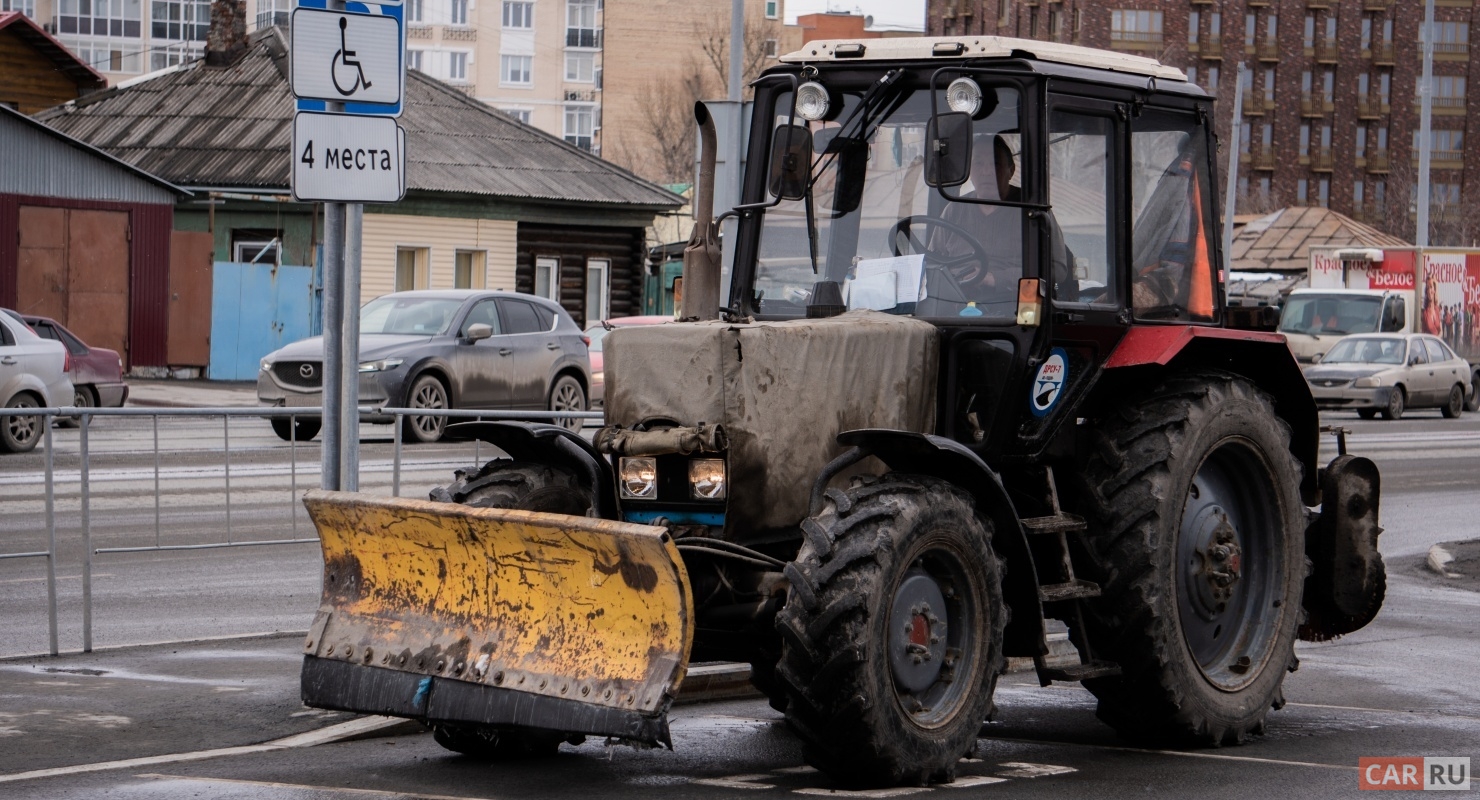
{"x":720,"y":681}
{"x":1061,"y":653}
{"x":1438,"y":561}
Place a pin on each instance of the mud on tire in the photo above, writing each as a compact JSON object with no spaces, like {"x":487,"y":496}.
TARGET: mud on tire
{"x":1161,"y":470}
{"x":895,"y":573}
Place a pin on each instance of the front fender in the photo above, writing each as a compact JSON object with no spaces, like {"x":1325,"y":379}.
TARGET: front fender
{"x":547,"y":444}
{"x":1347,"y":580}
{"x":939,"y":457}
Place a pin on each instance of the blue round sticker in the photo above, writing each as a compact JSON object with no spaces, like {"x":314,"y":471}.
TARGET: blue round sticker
{"x":1048,"y":384}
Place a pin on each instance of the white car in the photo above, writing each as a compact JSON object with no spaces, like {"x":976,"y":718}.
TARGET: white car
{"x":33,"y":374}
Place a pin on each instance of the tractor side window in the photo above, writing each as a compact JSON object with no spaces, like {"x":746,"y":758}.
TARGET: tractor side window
{"x":1082,"y":192}
{"x":1171,"y":197}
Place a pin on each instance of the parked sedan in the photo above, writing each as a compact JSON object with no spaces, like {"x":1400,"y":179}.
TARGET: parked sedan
{"x":597,"y":333}
{"x":1387,"y":373}
{"x":457,"y":348}
{"x":33,"y":374}
{"x":96,"y":372}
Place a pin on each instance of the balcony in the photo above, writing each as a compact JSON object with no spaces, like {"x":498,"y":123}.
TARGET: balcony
{"x":1264,"y":158}
{"x":1268,"y":51}
{"x":1443,"y":159}
{"x":1312,"y":105}
{"x":1258,"y":3}
{"x":1253,"y":106}
{"x":1384,"y":54}
{"x":1319,"y":3}
{"x":1449,"y":51}
{"x":1378,"y":5}
{"x":1321,"y":159}
{"x":1371,"y":106}
{"x":459,"y":34}
{"x":1327,"y":52}
{"x":1212,"y":48}
{"x":1377,"y":162}
{"x":1202,"y":2}
{"x":1445,"y":106}
{"x":1135,"y":40}
{"x":583,"y":37}
{"x":414,"y":31}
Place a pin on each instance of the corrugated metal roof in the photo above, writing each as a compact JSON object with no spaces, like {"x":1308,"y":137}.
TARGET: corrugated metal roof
{"x":41,"y":161}
{"x":1281,"y":242}
{"x":231,"y":127}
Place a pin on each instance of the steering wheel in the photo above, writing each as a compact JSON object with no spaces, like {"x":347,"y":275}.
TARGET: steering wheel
{"x":969,"y":269}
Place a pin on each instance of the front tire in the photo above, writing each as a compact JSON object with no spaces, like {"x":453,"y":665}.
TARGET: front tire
{"x":1396,"y":403}
{"x":1367,"y":413}
{"x":1472,"y":403}
{"x":1456,"y":404}
{"x":1197,"y":539}
{"x":426,"y":393}
{"x":306,"y":428}
{"x":892,"y":632}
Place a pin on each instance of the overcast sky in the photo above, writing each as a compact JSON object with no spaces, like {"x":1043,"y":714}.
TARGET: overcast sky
{"x":885,"y":12}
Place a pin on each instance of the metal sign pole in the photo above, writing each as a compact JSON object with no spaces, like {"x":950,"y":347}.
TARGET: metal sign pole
{"x":349,"y":393}
{"x":334,"y":214}
{"x":1230,"y":196}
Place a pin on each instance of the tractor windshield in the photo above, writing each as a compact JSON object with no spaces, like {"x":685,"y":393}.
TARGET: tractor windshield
{"x":869,"y":222}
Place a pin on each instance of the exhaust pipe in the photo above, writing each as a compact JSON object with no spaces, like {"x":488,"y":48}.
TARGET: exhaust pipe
{"x":701,"y":256}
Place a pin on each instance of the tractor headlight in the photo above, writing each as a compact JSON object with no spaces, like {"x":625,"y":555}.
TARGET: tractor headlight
{"x":707,"y":478}
{"x":638,"y":477}
{"x":964,"y":95}
{"x":385,"y":365}
{"x":1369,"y":382}
{"x":812,"y":101}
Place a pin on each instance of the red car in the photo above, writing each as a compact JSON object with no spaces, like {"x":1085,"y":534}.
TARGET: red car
{"x":596,"y":333}
{"x":97,"y":372}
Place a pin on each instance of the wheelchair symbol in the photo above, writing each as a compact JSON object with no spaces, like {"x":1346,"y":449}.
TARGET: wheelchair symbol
{"x":346,"y":56}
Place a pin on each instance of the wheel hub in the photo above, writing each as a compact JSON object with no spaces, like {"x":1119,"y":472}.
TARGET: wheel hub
{"x":1217,"y":563}
{"x":917,"y":640}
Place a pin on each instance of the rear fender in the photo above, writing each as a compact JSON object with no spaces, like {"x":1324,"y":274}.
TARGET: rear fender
{"x":1146,"y":352}
{"x":939,"y":457}
{"x":548,"y":444}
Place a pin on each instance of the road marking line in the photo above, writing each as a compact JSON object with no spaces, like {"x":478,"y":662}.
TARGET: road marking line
{"x":345,"y":730}
{"x":898,"y":791}
{"x":229,"y":637}
{"x":311,"y":787}
{"x":971,"y":781}
{"x":1184,"y":753}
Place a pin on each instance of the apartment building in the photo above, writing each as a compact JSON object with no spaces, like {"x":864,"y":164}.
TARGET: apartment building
{"x":1330,"y":112}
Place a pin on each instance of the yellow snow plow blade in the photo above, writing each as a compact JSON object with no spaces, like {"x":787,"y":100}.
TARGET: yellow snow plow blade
{"x":497,"y":617}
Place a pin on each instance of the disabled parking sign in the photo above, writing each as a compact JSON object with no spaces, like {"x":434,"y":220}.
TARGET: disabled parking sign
{"x":356,"y":57}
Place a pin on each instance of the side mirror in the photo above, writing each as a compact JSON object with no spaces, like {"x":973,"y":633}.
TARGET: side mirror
{"x":477,"y":332}
{"x":791,"y":162}
{"x":948,"y":149}
{"x":1316,"y":359}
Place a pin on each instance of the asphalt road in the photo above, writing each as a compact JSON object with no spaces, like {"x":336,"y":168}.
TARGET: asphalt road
{"x":1402,"y":686}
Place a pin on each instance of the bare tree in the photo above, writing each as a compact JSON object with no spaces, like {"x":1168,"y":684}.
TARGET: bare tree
{"x":713,"y":36}
{"x":660,"y":146}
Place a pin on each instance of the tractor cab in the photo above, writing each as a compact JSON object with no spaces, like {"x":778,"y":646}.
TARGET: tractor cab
{"x":1031,"y":200}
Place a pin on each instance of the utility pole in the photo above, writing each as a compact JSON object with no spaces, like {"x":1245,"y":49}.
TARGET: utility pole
{"x":1425,"y":127}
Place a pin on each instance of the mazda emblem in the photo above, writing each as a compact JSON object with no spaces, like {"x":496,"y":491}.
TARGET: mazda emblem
{"x":306,"y":370}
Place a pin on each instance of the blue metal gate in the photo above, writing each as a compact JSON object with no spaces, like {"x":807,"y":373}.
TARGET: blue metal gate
{"x":255,"y":309}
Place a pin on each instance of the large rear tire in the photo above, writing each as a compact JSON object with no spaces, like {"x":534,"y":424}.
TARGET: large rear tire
{"x":892,"y":632}
{"x":489,"y":743}
{"x":1197,"y":539}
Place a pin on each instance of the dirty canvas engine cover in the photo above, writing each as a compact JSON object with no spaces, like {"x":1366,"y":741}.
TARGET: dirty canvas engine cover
{"x":783,"y":391}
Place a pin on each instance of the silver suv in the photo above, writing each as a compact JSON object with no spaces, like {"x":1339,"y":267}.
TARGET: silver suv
{"x":33,"y":374}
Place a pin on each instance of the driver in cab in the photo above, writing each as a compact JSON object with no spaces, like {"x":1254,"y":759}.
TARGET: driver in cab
{"x":999,"y":229}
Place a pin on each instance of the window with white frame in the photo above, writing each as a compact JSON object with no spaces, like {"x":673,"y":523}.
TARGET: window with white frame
{"x":580,"y":23}
{"x":580,"y":66}
{"x":171,"y":55}
{"x":457,"y":12}
{"x":518,"y":14}
{"x":598,"y":271}
{"x":180,"y":20}
{"x":771,"y":46}
{"x":107,"y":55}
{"x":415,"y":11}
{"x":580,"y":126}
{"x":773,"y":9}
{"x":457,"y":65}
{"x":547,"y":277}
{"x":27,"y":7}
{"x":269,"y":13}
{"x":516,"y":70}
{"x":114,"y":18}
{"x":521,"y":114}
{"x":413,"y":60}
{"x":469,"y":270}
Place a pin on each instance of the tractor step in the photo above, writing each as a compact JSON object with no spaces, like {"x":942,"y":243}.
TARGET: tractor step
{"x":1079,"y":672}
{"x":1062,"y":522}
{"x":1073,"y":590}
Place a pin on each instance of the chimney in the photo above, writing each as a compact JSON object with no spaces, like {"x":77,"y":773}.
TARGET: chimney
{"x":227,"y":38}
